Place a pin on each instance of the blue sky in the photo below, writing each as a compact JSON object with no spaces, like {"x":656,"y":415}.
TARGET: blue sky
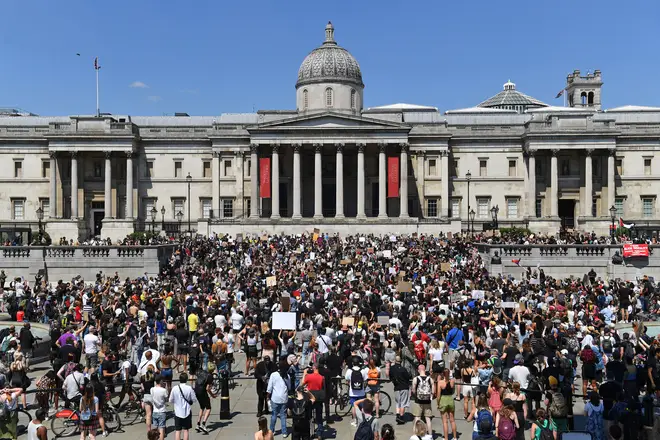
{"x":212,"y":57}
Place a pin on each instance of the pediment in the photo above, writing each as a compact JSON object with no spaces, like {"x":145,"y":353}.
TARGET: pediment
{"x":330,"y":120}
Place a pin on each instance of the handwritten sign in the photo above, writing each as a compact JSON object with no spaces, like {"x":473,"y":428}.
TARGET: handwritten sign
{"x":478,"y":294}
{"x":387,"y":254}
{"x":271,"y":281}
{"x":509,"y":305}
{"x":383,"y":320}
{"x":348,"y":321}
{"x":404,"y":286}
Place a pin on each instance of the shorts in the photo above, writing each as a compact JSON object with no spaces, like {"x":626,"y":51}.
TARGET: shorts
{"x":148,"y":399}
{"x":588,"y":371}
{"x":92,"y":360}
{"x":446,"y":404}
{"x":422,"y":410}
{"x":402,"y":398}
{"x":204,"y":400}
{"x":352,"y":400}
{"x":252,"y":352}
{"x":181,"y":424}
{"x":158,"y":420}
{"x":373,"y":389}
{"x":469,"y":390}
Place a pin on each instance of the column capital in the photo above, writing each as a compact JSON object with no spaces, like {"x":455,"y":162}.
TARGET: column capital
{"x":382,"y":146}
{"x":318,"y":147}
{"x":339,"y":146}
{"x":52,"y":154}
{"x":443,"y":153}
{"x":361,"y":146}
{"x":131,"y":155}
{"x":216,"y":154}
{"x":74,"y":154}
{"x":297,"y":146}
{"x":404,"y":146}
{"x":254,"y":148}
{"x":612,"y":151}
{"x":276,"y":148}
{"x":107,"y":154}
{"x":555,"y":152}
{"x":531,"y":152}
{"x":589,"y":151}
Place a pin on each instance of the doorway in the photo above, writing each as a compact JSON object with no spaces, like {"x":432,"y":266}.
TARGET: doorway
{"x":329,"y":199}
{"x":284,"y":200}
{"x":566,"y":210}
{"x":97,"y":218}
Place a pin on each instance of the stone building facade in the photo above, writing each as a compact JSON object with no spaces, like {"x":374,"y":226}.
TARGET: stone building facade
{"x":542,"y":166}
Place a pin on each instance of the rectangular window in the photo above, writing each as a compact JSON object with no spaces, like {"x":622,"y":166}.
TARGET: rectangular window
{"x":178,"y":205}
{"x":618,"y":204}
{"x":227,"y":208}
{"x":539,"y":208}
{"x":18,"y":169}
{"x":433,"y":170}
{"x":248,"y":168}
{"x":44,"y":203}
{"x":648,"y":207}
{"x":512,"y":207}
{"x":149,"y":169}
{"x":206,"y":207}
{"x":98,"y":169}
{"x":619,"y":166}
{"x":565,"y":167}
{"x":228,"y":170}
{"x":454,"y":168}
{"x":455,"y":208}
{"x":594,"y":207}
{"x":513,"y":169}
{"x":147,"y":205}
{"x":178,"y":169}
{"x":45,"y":169}
{"x":483,"y":168}
{"x":483,"y":207}
{"x":18,"y":209}
{"x":206,"y":169}
{"x":247,"y":205}
{"x":647,"y":167}
{"x":431,"y":207}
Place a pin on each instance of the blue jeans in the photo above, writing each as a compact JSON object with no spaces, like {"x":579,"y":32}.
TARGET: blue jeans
{"x":278,"y":409}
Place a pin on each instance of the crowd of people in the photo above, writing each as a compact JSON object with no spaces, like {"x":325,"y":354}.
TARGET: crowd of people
{"x":512,"y":355}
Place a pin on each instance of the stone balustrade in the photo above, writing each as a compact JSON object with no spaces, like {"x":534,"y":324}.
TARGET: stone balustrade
{"x":67,"y":262}
{"x":562,"y":261}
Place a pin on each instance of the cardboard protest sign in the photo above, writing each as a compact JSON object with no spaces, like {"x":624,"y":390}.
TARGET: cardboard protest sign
{"x":445,"y":267}
{"x":285,"y":300}
{"x":239,"y":238}
{"x":348,"y":321}
{"x":362,"y":239}
{"x":284,"y":320}
{"x":344,"y":262}
{"x":317,"y":231}
{"x":271,"y":281}
{"x":449,"y":235}
{"x":404,"y":286}
{"x":264,"y":238}
{"x":315,"y":237}
{"x":383,"y":320}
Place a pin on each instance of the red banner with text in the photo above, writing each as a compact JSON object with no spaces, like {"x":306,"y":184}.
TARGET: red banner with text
{"x":392,"y":176}
{"x":264,"y":177}
{"x":635,"y":250}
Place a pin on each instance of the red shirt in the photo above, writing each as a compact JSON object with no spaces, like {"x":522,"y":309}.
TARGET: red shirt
{"x":424,"y":337}
{"x":20,"y":315}
{"x":314,"y":382}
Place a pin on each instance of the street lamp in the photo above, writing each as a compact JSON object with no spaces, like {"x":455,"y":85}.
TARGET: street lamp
{"x":468,"y":177}
{"x":154,"y":213}
{"x":40,"y":217}
{"x":179,"y":217}
{"x":189,"y":180}
{"x":162,"y":218}
{"x":493,"y":212}
{"x":613,"y":217}
{"x":471,"y":216}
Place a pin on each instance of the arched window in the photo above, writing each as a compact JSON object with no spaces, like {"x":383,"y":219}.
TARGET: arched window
{"x":590,"y":99}
{"x":353,"y":103}
{"x":305,"y":99}
{"x":328,"y":97}
{"x":583,"y":98}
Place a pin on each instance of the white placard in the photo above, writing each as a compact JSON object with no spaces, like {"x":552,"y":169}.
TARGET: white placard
{"x":478,"y":294}
{"x":362,"y":239}
{"x":509,"y":305}
{"x":284,"y":320}
{"x":534,"y":282}
{"x":312,"y":255}
{"x":387,"y":254}
{"x":423,"y":280}
{"x":393,"y":238}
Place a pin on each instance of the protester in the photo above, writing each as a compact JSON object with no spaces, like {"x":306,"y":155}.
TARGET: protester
{"x":182,"y":397}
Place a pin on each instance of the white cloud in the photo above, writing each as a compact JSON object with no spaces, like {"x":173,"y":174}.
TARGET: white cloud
{"x":154,"y":98}
{"x":138,"y":85}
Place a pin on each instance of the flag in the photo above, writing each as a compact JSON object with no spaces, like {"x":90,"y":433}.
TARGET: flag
{"x":561,"y":92}
{"x":516,"y":262}
{"x":96,"y":63}
{"x":625,"y":225}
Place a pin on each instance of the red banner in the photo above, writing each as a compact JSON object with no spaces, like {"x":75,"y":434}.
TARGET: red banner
{"x":264,"y":177}
{"x":392,"y":176}
{"x":635,"y":250}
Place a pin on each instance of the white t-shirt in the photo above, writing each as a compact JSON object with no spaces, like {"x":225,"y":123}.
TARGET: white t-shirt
{"x":91,"y":343}
{"x":357,"y":393}
{"x":520,"y":374}
{"x":159,"y":398}
{"x":436,"y":354}
{"x":220,"y":321}
{"x":236,"y":321}
{"x":125,"y":365}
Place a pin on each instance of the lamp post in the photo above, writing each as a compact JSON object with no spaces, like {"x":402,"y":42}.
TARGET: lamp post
{"x":179,"y":217}
{"x":468,"y":177}
{"x":189,"y":180}
{"x":162,"y":218}
{"x":613,"y":217}
{"x":471,"y":216}
{"x":40,"y":217}
{"x":493,"y":212}
{"x":154,"y":213}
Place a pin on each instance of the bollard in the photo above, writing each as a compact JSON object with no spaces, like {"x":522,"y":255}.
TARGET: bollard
{"x":225,"y":412}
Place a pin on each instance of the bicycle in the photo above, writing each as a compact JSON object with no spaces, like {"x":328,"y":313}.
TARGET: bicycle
{"x":24,"y":419}
{"x":133,"y":411}
{"x":343,"y":402}
{"x":66,"y":422}
{"x":217,"y":383}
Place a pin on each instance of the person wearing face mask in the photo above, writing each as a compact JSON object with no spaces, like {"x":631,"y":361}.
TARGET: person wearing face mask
{"x":262,"y":373}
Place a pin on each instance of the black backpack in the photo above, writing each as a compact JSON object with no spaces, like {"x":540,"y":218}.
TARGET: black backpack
{"x":357,"y":380}
{"x":200,"y":382}
{"x":365,"y":431}
{"x":607,"y":345}
{"x":298,"y":411}
{"x":133,"y":370}
{"x":628,"y":350}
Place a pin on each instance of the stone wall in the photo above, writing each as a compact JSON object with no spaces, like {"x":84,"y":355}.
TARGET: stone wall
{"x":65,"y":263}
{"x":562,"y":261}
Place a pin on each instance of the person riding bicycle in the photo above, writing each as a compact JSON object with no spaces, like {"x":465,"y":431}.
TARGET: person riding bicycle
{"x":74,"y":386}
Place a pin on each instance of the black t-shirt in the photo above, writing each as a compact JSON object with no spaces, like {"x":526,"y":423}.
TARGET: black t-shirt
{"x":624,"y":295}
{"x":608,"y":392}
{"x":511,"y":353}
{"x":182,"y":336}
{"x":617,"y":368}
{"x":109,"y":367}
{"x":498,"y":344}
{"x":67,"y":349}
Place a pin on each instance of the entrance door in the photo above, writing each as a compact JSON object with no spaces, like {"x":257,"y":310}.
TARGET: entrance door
{"x":284,"y":200}
{"x":329,"y":192}
{"x":98,"y":222}
{"x":567,"y":213}
{"x":375,"y":207}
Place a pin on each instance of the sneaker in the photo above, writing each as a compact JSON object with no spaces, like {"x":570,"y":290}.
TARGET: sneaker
{"x":105,"y":433}
{"x":285,"y":435}
{"x":353,"y":423}
{"x":198,"y":428}
{"x":204,"y":428}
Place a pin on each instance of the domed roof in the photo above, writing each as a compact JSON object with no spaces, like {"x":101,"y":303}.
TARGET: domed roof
{"x":329,"y":63}
{"x":510,"y":98}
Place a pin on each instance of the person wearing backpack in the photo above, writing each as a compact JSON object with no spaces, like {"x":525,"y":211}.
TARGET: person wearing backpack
{"x":482,"y":418}
{"x":369,"y":426}
{"x":557,"y":405}
{"x":301,"y":413}
{"x":506,"y":421}
{"x":543,"y":428}
{"x":356,"y":377}
{"x":589,"y":361}
{"x":203,"y":387}
{"x":423,"y":390}
{"x":8,"y":412}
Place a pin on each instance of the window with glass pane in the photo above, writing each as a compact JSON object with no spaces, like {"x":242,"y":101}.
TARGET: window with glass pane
{"x":45,"y":207}
{"x":178,"y":169}
{"x":227,"y":208}
{"x":454,"y":168}
{"x":647,"y":167}
{"x":482,"y":208}
{"x":178,"y":205}
{"x":512,"y":207}
{"x":206,"y":169}
{"x":18,"y":209}
{"x":432,"y":167}
{"x":647,"y":207}
{"x":594,"y":207}
{"x":483,"y":168}
{"x":247,"y":204}
{"x":147,"y":206}
{"x":229,"y":171}
{"x":619,"y":166}
{"x":45,"y":169}
{"x":512,"y":168}
{"x":148,"y":169}
{"x":539,"y":208}
{"x":18,"y":169}
{"x":206,"y":208}
{"x":455,"y":208}
{"x":618,"y":204}
{"x":431,"y":207}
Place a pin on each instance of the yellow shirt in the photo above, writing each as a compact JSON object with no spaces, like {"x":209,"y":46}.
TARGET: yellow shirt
{"x":193,"y":320}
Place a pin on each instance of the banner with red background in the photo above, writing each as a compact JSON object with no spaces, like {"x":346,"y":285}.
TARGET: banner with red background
{"x":393,"y":176}
{"x":635,"y":250}
{"x":264,"y":177}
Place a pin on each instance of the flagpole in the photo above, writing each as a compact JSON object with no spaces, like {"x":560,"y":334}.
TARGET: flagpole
{"x":98,"y":110}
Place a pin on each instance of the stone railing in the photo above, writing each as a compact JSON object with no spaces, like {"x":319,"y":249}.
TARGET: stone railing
{"x":566,"y":260}
{"x":67,"y":262}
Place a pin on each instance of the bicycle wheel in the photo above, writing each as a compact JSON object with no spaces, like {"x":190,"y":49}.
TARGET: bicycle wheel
{"x":215,"y":388}
{"x":24,"y":419}
{"x":112,"y":419}
{"x":385,"y":402}
{"x":131,"y":412}
{"x":63,"y":425}
{"x":343,"y":406}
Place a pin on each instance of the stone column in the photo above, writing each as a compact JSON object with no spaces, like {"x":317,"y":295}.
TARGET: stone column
{"x":254,"y":181}
{"x":339,"y":184}
{"x":240,"y":163}
{"x":107,"y":197}
{"x":129,"y":186}
{"x":296,"y":182}
{"x":275,"y":183}
{"x":588,"y":184}
{"x":611,"y":182}
{"x":318,"y":182}
{"x":382,"y":180}
{"x":215,"y":184}
{"x":444,"y":209}
{"x":74,"y":185}
{"x":360,"y":181}
{"x":403,"y":193}
{"x":554,"y":184}
{"x":52,"y":198}
{"x":531,"y":182}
